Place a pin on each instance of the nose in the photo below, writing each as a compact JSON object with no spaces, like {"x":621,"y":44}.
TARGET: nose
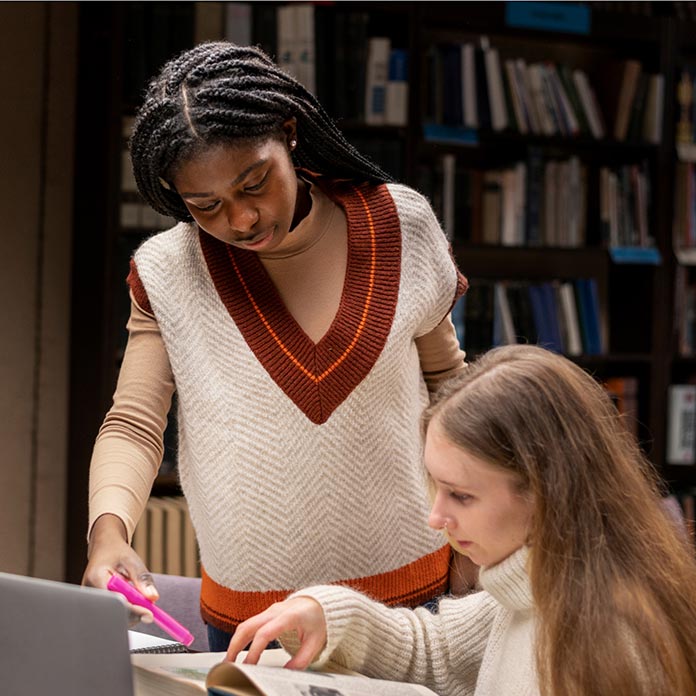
{"x":242,"y":218}
{"x":438,"y":519}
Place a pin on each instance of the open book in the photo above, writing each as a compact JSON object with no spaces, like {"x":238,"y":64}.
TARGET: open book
{"x":207,"y":674}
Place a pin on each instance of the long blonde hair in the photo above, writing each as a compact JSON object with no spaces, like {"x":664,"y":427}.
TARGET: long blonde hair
{"x":614,"y":582}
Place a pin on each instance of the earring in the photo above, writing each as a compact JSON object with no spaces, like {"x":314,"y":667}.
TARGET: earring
{"x":293,"y":144}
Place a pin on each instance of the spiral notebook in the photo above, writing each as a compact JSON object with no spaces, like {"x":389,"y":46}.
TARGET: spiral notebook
{"x":145,"y":643}
{"x":62,"y":639}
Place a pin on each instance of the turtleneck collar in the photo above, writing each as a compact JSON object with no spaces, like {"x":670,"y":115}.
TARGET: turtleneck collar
{"x":508,"y":581}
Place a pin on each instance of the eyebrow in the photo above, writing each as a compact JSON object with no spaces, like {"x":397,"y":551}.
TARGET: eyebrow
{"x":239,"y":179}
{"x":452,"y":485}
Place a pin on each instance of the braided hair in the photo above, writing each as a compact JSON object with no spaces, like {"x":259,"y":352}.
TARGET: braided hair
{"x":218,"y":92}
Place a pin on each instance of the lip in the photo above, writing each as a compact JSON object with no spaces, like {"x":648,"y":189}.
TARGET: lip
{"x":258,"y":242}
{"x":463,"y":544}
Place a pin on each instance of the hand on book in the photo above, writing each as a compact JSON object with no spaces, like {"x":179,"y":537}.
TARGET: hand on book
{"x":300,"y":614}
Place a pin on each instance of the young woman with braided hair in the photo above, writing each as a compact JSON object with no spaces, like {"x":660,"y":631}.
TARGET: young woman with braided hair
{"x":300,"y":308}
{"x":589,"y":588}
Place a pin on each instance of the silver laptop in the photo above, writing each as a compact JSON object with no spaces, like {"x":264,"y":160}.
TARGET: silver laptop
{"x":62,"y":639}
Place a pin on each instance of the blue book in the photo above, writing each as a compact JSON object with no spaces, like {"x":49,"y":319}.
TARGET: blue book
{"x":595,"y":314}
{"x":398,"y":65}
{"x":539,"y":313}
{"x":553,"y":327}
{"x":588,"y":312}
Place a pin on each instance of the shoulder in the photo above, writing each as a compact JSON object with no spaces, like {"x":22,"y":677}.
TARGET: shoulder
{"x":169,"y":241}
{"x":416,"y":216}
{"x":413,"y":207}
{"x":407,"y":196}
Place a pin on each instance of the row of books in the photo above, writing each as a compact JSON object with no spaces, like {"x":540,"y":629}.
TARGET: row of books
{"x":624,"y":196}
{"x":330,"y":50}
{"x":165,"y":539}
{"x":539,"y":202}
{"x":562,"y":315}
{"x":473,"y":87}
{"x":383,"y":68}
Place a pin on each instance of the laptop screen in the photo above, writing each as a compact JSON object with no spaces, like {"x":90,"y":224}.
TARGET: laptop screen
{"x":62,"y":639}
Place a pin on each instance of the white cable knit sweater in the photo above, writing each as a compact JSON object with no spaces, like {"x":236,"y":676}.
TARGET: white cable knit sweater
{"x":480,"y":645}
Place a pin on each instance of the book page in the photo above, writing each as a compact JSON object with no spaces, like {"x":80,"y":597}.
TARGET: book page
{"x":184,"y":674}
{"x":178,"y":674}
{"x":240,"y":679}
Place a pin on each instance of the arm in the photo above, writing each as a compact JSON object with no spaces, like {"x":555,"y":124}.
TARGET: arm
{"x":127,"y":454}
{"x":440,"y":354}
{"x":442,"y":651}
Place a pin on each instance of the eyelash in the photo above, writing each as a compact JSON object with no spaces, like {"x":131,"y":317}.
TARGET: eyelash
{"x":248,"y":189}
{"x":256,"y":187}
{"x":462,"y":498}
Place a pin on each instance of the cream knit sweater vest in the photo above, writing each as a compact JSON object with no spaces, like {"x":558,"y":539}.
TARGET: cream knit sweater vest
{"x":278,"y":501}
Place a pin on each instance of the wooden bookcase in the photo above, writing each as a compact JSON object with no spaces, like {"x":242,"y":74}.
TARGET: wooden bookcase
{"x":680,"y":351}
{"x":117,"y":54}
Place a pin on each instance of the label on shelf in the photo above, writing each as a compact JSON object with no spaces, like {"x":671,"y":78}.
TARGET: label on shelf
{"x":549,"y":16}
{"x":636,"y":255}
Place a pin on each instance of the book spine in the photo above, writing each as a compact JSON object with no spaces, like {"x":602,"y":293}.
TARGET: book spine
{"x":499,"y":120}
{"x":396,"y":98}
{"x":469,"y":91}
{"x":681,"y":419}
{"x":377,"y":76}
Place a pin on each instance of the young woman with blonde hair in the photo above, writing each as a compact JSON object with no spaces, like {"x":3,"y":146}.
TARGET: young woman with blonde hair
{"x":588,"y":588}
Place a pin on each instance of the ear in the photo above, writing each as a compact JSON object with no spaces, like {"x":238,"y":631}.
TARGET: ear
{"x":289,"y":129}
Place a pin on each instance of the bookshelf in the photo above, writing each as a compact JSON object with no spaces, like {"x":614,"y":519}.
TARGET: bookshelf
{"x":635,"y":281}
{"x":681,"y":415}
{"x":629,"y":262}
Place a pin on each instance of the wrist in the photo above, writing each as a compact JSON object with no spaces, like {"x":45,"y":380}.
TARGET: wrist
{"x":107,"y":528}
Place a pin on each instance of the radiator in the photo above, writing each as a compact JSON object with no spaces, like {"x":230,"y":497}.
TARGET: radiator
{"x":165,"y":539}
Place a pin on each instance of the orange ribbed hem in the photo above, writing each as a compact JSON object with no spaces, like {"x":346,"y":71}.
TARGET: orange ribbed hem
{"x":410,"y":585}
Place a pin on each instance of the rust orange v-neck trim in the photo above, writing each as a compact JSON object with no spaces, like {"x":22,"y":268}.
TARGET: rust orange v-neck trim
{"x":318,"y":377}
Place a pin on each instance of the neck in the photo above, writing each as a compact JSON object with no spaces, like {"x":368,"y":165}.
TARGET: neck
{"x":303,"y":204}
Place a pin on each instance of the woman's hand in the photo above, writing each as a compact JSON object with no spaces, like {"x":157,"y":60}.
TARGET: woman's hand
{"x":110,"y":553}
{"x":301,"y":614}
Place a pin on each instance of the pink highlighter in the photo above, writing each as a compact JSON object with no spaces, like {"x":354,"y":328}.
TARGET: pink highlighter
{"x":117,"y":583}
